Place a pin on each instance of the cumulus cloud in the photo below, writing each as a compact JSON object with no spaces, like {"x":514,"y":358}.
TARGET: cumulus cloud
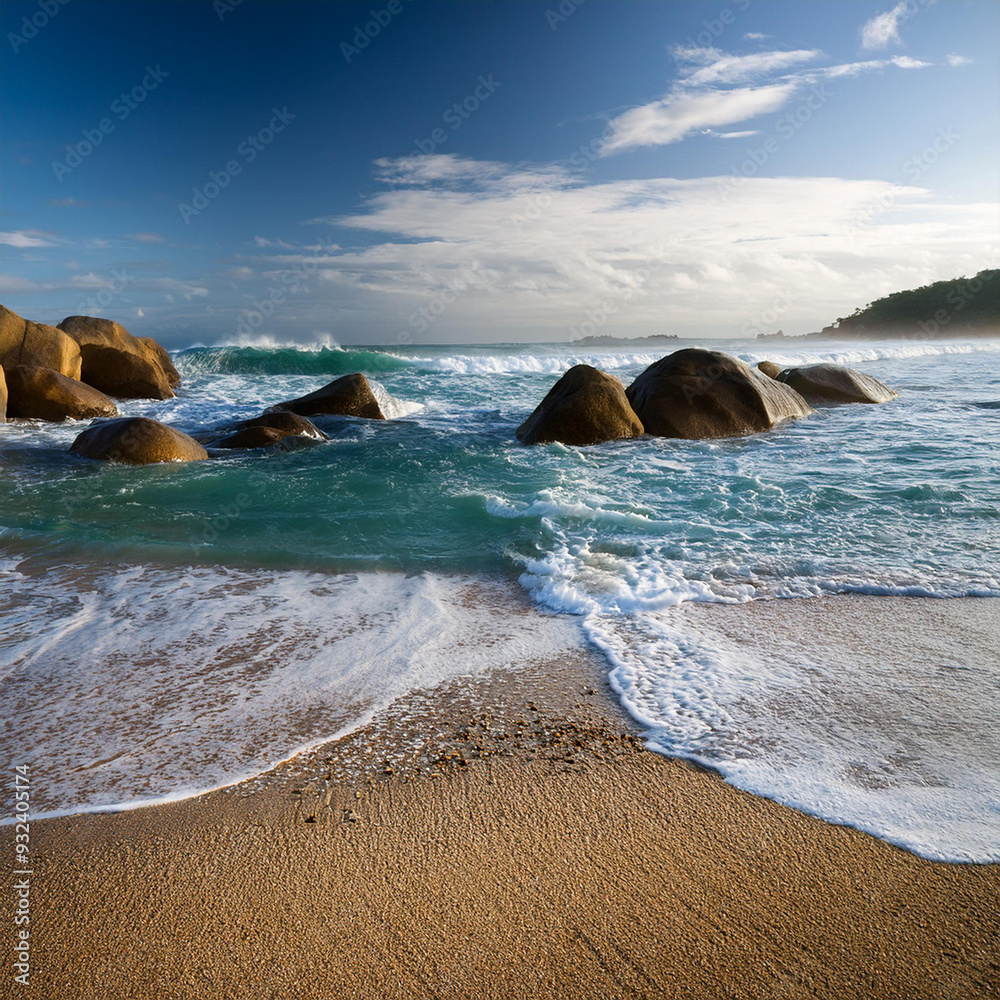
{"x":883,"y":29}
{"x":956,"y":60}
{"x":699,"y":253}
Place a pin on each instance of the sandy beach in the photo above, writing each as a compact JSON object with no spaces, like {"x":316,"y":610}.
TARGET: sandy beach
{"x":503,"y":838}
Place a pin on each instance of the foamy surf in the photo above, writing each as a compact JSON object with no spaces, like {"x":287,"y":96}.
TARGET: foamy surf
{"x":134,"y":685}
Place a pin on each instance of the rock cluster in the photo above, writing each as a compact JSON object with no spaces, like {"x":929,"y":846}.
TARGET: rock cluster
{"x":72,"y":372}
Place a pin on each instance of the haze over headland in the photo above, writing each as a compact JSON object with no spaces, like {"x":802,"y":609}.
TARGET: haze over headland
{"x":559,"y":172}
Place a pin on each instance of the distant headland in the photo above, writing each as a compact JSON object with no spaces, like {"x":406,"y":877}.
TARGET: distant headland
{"x":656,"y":338}
{"x":961,"y":307}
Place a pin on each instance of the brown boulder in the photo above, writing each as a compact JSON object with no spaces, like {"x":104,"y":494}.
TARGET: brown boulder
{"x":137,"y":441}
{"x":116,"y":362}
{"x":24,"y":342}
{"x":349,"y":396}
{"x":586,"y":406}
{"x":827,"y":383}
{"x":695,"y":393}
{"x":264,"y":430}
{"x":158,"y":351}
{"x":43,"y":394}
{"x":769,"y":368}
{"x":254,"y":437}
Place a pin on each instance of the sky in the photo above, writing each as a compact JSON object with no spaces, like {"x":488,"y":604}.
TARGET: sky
{"x":408,"y":171}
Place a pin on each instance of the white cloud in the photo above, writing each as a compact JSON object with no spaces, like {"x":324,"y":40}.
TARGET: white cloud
{"x":726,"y":250}
{"x":713,"y":88}
{"x":26,"y":238}
{"x":730,"y":135}
{"x":883,"y":29}
{"x":866,"y":65}
{"x":677,"y":115}
{"x":756,"y":36}
{"x":14,"y":285}
{"x":722,"y":68}
{"x":956,"y":60}
{"x":146,"y":237}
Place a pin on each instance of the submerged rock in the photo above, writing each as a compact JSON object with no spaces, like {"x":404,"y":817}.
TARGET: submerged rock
{"x":43,"y":394}
{"x":827,"y":383}
{"x":116,"y":362}
{"x":137,"y":441}
{"x":586,"y":406}
{"x":24,"y":342}
{"x":265,"y":430}
{"x":769,"y":368}
{"x":348,"y":396}
{"x":695,"y":393}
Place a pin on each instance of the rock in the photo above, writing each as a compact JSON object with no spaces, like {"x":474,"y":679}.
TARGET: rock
{"x":253,"y":437}
{"x":3,"y":396}
{"x":166,"y":362}
{"x":265,"y":430}
{"x":288,"y":423}
{"x":695,"y":393}
{"x":828,"y":383}
{"x":586,"y":406}
{"x":769,"y":368}
{"x":24,"y":342}
{"x":137,"y":441}
{"x":116,"y":362}
{"x":43,"y":394}
{"x":349,"y":396}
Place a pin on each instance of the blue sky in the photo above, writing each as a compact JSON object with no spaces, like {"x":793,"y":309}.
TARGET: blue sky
{"x":407,"y":171}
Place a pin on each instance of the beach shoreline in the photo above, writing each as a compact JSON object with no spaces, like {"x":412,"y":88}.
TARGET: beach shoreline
{"x":501,"y":836}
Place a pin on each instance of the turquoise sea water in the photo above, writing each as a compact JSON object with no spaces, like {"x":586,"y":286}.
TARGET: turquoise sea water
{"x":902,"y":498}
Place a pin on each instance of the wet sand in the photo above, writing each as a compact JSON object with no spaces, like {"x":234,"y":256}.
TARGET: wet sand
{"x":503,"y":838}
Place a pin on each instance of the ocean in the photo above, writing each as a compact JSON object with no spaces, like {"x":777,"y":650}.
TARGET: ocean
{"x":169,"y":629}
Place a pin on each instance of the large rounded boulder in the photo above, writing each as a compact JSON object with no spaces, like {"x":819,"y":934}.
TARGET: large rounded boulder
{"x":695,"y":394}
{"x":137,"y":441}
{"x":116,"y":362}
{"x":348,"y":396}
{"x":158,"y":351}
{"x":827,"y":383}
{"x":769,"y":368}
{"x":24,"y":342}
{"x":586,"y":406}
{"x":43,"y":394}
